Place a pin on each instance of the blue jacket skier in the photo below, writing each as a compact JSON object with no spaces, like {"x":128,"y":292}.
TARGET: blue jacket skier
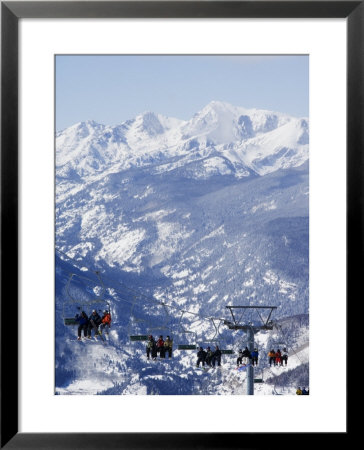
{"x":255,"y":355}
{"x":83,"y":324}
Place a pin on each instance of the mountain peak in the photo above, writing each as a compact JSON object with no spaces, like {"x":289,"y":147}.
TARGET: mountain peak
{"x":218,"y":104}
{"x":149,"y":122}
{"x":88,"y":124}
{"x":218,"y":107}
{"x":79,"y":131}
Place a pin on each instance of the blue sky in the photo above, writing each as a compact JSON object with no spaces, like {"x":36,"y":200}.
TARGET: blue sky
{"x":112,"y":88}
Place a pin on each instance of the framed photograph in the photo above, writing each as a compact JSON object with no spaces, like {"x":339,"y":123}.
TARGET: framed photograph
{"x":181,"y":211}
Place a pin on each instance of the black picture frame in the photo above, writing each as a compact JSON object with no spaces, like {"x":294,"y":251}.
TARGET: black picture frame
{"x":11,"y":12}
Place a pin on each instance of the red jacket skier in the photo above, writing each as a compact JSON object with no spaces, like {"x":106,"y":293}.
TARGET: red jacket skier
{"x":160,"y":347}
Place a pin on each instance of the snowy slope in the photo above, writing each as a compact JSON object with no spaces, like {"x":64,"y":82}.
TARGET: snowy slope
{"x":120,"y":367}
{"x":197,"y":214}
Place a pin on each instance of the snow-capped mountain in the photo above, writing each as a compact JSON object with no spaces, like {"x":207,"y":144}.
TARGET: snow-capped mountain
{"x":221,"y":137}
{"x":197,"y":214}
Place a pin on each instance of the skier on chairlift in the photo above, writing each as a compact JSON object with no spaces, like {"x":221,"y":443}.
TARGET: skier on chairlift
{"x":168,"y":346}
{"x":284,"y":357}
{"x":94,"y":322}
{"x":272,"y":357}
{"x":105,"y":322}
{"x":279,"y":361}
{"x":209,"y":355}
{"x":246,"y":356}
{"x":255,"y":355}
{"x":151,"y":348}
{"x":239,"y":360}
{"x":160,"y":347}
{"x":216,"y":357}
{"x":201,"y":357}
{"x":82,"y":319}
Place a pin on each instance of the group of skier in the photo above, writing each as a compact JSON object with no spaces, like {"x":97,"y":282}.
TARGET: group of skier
{"x":278,"y":358}
{"x":160,"y":346}
{"x":209,"y":357}
{"x":247,"y":357}
{"x":302,"y":391}
{"x":94,"y":322}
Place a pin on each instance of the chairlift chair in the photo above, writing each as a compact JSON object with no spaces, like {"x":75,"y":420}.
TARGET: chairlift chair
{"x":184,"y":341}
{"x":259,"y":379}
{"x":138,"y":337}
{"x":213,"y":342}
{"x":74,"y":306}
{"x":162,"y":331}
{"x":71,"y":309}
{"x":279,"y":345}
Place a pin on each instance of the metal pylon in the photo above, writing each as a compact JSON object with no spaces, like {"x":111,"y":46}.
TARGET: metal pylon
{"x":250,"y":327}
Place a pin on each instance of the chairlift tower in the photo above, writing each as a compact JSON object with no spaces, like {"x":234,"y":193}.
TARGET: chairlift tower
{"x":240,"y":321}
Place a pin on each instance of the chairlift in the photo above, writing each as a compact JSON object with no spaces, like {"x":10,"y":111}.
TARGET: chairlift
{"x":186,"y":347}
{"x":138,"y":337}
{"x":244,"y":343}
{"x":279,"y":345}
{"x":214,"y":342}
{"x":259,"y":379}
{"x":145,"y":337}
{"x":278,"y":338}
{"x":227,"y":351}
{"x":74,"y":306}
{"x":141,"y":326}
{"x":184,"y":341}
{"x":159,"y":331}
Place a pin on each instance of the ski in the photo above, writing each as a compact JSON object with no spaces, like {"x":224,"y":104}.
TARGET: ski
{"x":103,"y":340}
{"x":203,"y":369}
{"x":243,"y":367}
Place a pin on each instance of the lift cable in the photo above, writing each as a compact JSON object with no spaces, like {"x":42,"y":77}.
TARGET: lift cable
{"x":151,"y":299}
{"x":165,"y":305}
{"x":279,"y":327}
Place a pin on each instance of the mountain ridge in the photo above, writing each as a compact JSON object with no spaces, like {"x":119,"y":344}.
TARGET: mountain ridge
{"x":244,"y":137}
